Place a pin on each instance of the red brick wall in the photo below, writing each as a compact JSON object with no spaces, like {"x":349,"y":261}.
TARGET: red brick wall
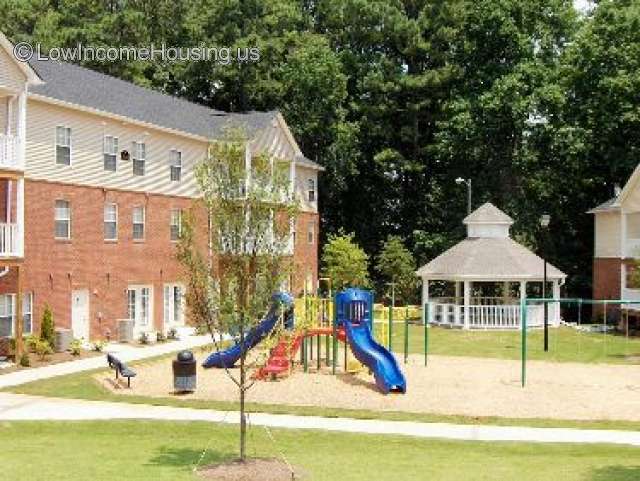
{"x":53,"y":268}
{"x":606,"y":278}
{"x":305,"y":257}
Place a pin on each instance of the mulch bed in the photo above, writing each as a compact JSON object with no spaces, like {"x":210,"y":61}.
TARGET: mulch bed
{"x":54,"y":358}
{"x":255,"y":469}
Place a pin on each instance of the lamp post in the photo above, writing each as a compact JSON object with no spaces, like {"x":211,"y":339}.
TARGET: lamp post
{"x":467,"y":182}
{"x":544,"y":223}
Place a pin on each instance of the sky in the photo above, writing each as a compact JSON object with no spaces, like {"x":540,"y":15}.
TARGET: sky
{"x":581,"y":5}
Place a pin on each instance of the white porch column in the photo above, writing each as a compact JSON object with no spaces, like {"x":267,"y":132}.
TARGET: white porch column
{"x":8,"y":126}
{"x":523,"y":295}
{"x":623,"y":233}
{"x":506,"y":291}
{"x":425,"y":296}
{"x":467,"y":303}
{"x":21,"y":130}
{"x":556,"y":305}
{"x":20,"y":216}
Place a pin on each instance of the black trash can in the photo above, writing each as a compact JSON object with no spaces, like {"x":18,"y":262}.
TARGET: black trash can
{"x":184,"y":372}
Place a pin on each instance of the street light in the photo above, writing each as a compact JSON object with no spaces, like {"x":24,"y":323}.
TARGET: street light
{"x":461,"y":181}
{"x":545,"y":219}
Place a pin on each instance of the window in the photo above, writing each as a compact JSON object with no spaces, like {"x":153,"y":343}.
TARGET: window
{"x":311,"y":232}
{"x":110,"y":222}
{"x":63,"y":145}
{"x":175,"y":165}
{"x":139,"y":305}
{"x":7,"y":314}
{"x":176,"y":224}
{"x":311,"y":190}
{"x":139,"y":158}
{"x":63,"y":219}
{"x":173,"y":304}
{"x":110,"y":153}
{"x":138,"y":223}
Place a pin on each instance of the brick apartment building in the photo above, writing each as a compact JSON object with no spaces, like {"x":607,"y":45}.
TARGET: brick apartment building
{"x":95,"y":174}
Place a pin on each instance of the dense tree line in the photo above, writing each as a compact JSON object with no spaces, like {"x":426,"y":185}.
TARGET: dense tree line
{"x":538,"y":104}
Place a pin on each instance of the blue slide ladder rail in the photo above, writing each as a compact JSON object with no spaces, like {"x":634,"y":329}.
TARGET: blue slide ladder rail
{"x":354,"y":308}
{"x":228,"y":357}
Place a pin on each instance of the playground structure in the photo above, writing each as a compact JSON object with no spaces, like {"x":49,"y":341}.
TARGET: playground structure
{"x":348,"y":321}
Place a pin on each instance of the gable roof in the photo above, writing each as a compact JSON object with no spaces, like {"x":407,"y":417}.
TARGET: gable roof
{"x":81,"y":87}
{"x":487,"y":213}
{"x":485,"y":258}
{"x":608,"y":206}
{"x":31,"y":76}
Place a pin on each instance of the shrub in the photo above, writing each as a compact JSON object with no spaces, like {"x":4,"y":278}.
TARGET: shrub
{"x":144,"y":338}
{"x":30,"y":343}
{"x":25,"y":361}
{"x":98,"y":346}
{"x":172,"y":334}
{"x":75,"y":347}
{"x":47,"y":328}
{"x":160,"y":337}
{"x":43,"y":349}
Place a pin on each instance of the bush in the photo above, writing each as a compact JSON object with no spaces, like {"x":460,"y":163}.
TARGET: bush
{"x":172,"y":334}
{"x":75,"y":347}
{"x":25,"y":361}
{"x":98,"y":346}
{"x":30,"y":343}
{"x":47,"y":328}
{"x":144,"y":338}
{"x":43,"y":349}
{"x":160,"y":337}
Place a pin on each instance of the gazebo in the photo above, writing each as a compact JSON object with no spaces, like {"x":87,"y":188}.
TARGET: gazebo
{"x":479,"y":282}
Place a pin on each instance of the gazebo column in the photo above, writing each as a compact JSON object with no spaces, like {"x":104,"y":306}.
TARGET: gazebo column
{"x":456,"y":302}
{"x":425,"y":291}
{"x":556,"y":305}
{"x":523,"y":295}
{"x":506,"y":291}
{"x":467,"y":303}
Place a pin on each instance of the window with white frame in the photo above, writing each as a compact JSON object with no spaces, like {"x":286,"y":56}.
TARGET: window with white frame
{"x":175,"y":165}
{"x":176,"y":224}
{"x":63,"y":145}
{"x":139,"y":158}
{"x":62,"y":219}
{"x":311,"y":190}
{"x":110,"y":153}
{"x":311,"y":232}
{"x":7,"y":314}
{"x":139,"y":305}
{"x":138,"y":223}
{"x":173,"y":304}
{"x":110,"y":221}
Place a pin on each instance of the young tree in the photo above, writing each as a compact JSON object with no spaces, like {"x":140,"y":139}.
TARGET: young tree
{"x":235,"y":259}
{"x":345,"y":262}
{"x":47,"y":327}
{"x":395,"y":264}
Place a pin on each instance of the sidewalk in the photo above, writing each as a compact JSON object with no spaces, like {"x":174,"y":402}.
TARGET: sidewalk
{"x":19,"y":407}
{"x":124,"y":352}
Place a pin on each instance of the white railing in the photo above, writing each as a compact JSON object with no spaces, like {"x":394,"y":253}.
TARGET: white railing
{"x":10,"y":152}
{"x":9,"y":240}
{"x":488,"y":316}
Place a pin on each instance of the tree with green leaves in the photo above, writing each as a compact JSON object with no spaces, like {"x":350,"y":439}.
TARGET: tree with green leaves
{"x":235,"y":258}
{"x":345,"y":262}
{"x":396,"y":265}
{"x":47,"y":327}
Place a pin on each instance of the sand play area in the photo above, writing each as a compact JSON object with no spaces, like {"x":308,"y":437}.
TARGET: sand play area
{"x":449,"y":385}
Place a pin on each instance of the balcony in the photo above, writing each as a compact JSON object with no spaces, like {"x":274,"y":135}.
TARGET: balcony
{"x":10,"y":152}
{"x":9,"y":240}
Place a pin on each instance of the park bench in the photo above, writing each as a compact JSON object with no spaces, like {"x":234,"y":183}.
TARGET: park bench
{"x":120,"y":368}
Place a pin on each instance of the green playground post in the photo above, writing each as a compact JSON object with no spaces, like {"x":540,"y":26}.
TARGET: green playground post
{"x":335,"y":340}
{"x":304,"y":354}
{"x":391,"y":328}
{"x":426,"y":332}
{"x":523,"y":326}
{"x":318,"y":349}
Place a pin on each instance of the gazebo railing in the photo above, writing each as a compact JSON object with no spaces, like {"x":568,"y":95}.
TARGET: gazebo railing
{"x":482,"y":301}
{"x":505,"y":316}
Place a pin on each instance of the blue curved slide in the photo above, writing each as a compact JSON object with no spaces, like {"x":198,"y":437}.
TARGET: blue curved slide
{"x":230,"y":356}
{"x":383,"y":364}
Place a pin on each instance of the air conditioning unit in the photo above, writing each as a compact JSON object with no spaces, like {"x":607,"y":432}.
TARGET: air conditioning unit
{"x":125,"y":330}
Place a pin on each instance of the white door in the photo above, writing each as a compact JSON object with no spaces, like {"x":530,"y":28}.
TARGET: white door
{"x":173,"y":306}
{"x":139,"y":307}
{"x":80,"y":314}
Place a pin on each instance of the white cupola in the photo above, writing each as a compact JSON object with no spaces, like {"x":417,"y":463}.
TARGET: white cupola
{"x":488,"y":221}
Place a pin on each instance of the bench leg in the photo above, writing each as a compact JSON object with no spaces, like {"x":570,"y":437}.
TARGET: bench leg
{"x":129,"y":382}
{"x":116,"y":374}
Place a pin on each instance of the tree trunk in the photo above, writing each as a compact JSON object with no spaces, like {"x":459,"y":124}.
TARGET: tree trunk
{"x":243,"y":419}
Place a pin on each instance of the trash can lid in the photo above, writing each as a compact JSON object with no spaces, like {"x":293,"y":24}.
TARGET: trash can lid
{"x":185,"y":356}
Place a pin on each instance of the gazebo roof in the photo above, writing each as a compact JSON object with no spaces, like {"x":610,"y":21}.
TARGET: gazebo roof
{"x":487,"y":256}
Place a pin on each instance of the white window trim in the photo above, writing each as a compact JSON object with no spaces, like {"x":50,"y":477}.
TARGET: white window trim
{"x":116,"y":143}
{"x":179,"y":211}
{"x":55,"y":219}
{"x":311,"y":229}
{"x":170,"y":306}
{"x":104,"y":221}
{"x":144,"y":223}
{"x":12,"y":297}
{"x":171,"y":165}
{"x":55,"y":145}
{"x":135,"y":157}
{"x":311,"y":187}
{"x":149,"y":326}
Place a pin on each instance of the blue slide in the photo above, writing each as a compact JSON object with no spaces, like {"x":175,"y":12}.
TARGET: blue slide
{"x":229,"y":357}
{"x":383,"y":364}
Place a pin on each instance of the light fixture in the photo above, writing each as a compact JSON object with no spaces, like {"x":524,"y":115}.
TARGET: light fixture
{"x":544,"y":220}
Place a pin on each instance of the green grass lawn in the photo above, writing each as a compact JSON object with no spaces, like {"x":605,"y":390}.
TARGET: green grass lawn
{"x":565,"y":344}
{"x":158,"y":451}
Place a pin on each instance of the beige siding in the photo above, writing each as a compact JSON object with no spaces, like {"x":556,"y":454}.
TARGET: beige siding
{"x":4,"y":107}
{"x":607,"y":234}
{"x":11,"y":77}
{"x":303,"y":174}
{"x":87,"y":135}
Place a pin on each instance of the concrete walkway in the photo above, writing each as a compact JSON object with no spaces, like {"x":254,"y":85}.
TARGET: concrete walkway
{"x":18,"y":407}
{"x":124,"y":352}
